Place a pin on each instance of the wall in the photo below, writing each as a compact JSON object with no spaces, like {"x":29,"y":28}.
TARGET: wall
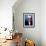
{"x":43,"y":22}
{"x":6,"y":16}
{"x":28,"y":6}
{"x":6,"y":13}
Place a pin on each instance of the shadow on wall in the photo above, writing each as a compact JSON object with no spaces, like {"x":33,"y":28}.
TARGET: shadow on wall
{"x":37,"y":41}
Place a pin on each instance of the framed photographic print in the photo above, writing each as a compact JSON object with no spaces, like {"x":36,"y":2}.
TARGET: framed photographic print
{"x":29,"y":20}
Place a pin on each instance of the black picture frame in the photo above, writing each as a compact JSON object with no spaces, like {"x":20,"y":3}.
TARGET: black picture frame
{"x":29,"y":20}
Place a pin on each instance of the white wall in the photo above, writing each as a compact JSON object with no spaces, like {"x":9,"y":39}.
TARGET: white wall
{"x":43,"y":22}
{"x":28,"y":6}
{"x":6,"y":13}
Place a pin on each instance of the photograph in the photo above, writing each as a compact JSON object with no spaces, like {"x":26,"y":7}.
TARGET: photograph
{"x":29,"y":20}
